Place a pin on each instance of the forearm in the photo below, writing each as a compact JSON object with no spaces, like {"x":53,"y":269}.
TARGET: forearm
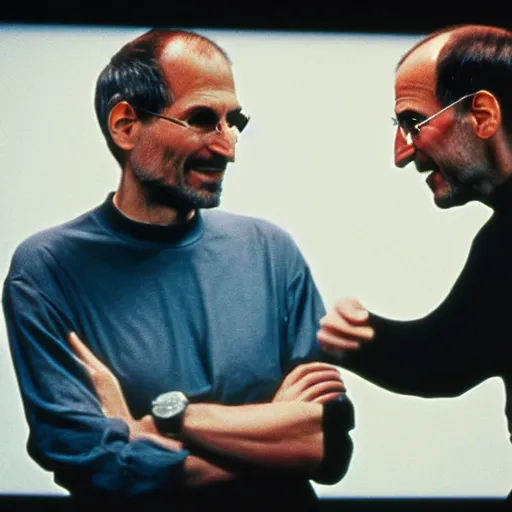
{"x":442,"y":353}
{"x":314,"y":441}
{"x":396,"y":358}
{"x":198,"y":469}
{"x":275,"y":436}
{"x":229,"y":442}
{"x":432,"y":357}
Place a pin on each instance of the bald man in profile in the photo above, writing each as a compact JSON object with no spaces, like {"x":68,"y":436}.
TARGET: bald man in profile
{"x":453,"y":104}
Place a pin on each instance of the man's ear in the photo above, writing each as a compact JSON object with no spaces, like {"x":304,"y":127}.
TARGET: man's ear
{"x":486,"y":113}
{"x":122,"y":124}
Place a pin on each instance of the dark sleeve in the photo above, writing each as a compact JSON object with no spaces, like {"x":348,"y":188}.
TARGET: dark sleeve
{"x":69,"y":435}
{"x":337,"y":421}
{"x":443,"y":354}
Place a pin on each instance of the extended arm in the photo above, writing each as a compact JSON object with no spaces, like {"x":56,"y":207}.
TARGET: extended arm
{"x":442,"y":354}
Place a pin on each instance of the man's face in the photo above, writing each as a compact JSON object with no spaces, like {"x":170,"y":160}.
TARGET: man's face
{"x":183,"y":167}
{"x":446,"y":147}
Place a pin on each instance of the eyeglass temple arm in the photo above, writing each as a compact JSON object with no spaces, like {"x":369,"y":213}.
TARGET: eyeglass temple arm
{"x":179,"y":122}
{"x":425,"y":121}
{"x":171,"y":119}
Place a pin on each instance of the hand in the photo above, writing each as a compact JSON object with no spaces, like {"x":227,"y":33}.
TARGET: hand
{"x":105,"y":383}
{"x":112,"y":401}
{"x":311,"y":382}
{"x":345,"y":327}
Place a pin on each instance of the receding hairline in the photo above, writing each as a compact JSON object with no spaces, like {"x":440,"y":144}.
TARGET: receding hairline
{"x":176,"y":49}
{"x":454,"y":32}
{"x":192,"y":41}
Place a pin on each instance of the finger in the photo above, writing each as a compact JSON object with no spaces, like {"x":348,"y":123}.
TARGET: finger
{"x":84,"y":353}
{"x":302,"y":370}
{"x":333,"y":343}
{"x":322,"y":399}
{"x":339,"y":325}
{"x":145,"y":428}
{"x":111,"y":396}
{"x":147,"y":424}
{"x":78,"y":348}
{"x":293,"y":392}
{"x":90,"y":369}
{"x":351,"y":309}
{"x":102,"y":377}
{"x":316,"y":377}
{"x":334,"y":386}
{"x":106,"y":385}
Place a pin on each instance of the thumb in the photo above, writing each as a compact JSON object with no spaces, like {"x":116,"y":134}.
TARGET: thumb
{"x":352,"y":309}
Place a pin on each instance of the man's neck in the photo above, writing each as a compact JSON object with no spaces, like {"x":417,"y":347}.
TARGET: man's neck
{"x":137,"y":209}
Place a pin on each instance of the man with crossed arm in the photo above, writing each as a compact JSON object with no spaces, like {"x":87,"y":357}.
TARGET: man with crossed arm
{"x":197,"y":327}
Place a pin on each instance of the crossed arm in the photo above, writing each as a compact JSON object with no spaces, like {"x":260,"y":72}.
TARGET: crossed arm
{"x":285,"y":434}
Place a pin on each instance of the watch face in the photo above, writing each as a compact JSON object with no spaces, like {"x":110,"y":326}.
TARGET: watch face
{"x":169,"y":404}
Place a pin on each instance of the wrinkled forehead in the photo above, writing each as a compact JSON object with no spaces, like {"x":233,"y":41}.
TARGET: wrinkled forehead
{"x":415,"y":79}
{"x":187,"y":70}
{"x":415,"y":82}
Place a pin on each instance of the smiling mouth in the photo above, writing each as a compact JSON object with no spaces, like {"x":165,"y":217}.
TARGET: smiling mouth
{"x":213,"y":165}
{"x":210,"y":170}
{"x":208,"y":175}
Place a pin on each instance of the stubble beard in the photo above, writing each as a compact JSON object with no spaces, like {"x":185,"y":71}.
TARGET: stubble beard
{"x":181,"y":197}
{"x":465,"y":173}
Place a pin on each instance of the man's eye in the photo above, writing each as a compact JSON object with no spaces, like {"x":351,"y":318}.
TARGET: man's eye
{"x":414,"y":121}
{"x":204,"y":118}
{"x":409,"y":121}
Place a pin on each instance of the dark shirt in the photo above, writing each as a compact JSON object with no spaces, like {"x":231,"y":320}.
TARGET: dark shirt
{"x":464,"y":341}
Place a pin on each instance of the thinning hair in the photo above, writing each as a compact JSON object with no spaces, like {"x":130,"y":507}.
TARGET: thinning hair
{"x":426,"y":39}
{"x":134,"y":75}
{"x":474,"y":58}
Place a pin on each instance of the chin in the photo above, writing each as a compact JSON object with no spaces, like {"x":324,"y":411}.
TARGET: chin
{"x":182,"y":198}
{"x":203,"y":199}
{"x":448,"y":199}
{"x":208,"y":202}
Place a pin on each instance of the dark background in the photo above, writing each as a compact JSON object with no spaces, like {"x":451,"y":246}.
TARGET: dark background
{"x":393,"y":17}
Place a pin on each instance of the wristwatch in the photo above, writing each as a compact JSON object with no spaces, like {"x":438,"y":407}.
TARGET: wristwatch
{"x":168,"y":410}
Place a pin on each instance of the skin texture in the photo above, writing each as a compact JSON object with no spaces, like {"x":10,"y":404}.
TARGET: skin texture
{"x":284,"y":434}
{"x":313,"y":382}
{"x":450,"y":146}
{"x":170,"y":170}
{"x":467,"y":157}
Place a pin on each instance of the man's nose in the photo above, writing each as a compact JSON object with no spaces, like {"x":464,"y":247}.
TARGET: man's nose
{"x":404,"y":150}
{"x":223,"y":142}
